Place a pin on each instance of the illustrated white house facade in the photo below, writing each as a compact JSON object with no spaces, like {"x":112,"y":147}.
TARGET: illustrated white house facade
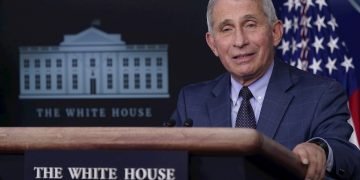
{"x":94,"y":64}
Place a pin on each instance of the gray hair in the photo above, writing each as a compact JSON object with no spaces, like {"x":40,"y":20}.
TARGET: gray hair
{"x":267,"y":5}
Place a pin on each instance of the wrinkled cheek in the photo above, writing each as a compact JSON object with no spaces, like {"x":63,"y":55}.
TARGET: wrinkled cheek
{"x":231,"y":67}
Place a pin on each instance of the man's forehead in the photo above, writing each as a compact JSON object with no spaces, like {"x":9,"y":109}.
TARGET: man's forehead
{"x":257,"y":1}
{"x":219,"y":5}
{"x":222,"y":13}
{"x":243,"y":18}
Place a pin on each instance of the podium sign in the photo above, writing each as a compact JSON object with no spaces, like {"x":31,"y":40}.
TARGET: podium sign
{"x":120,"y":164}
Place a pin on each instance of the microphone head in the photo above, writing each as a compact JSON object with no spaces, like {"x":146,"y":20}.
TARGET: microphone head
{"x":169,"y":123}
{"x":188,"y":122}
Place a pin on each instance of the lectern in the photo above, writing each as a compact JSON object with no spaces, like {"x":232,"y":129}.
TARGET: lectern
{"x":214,"y":153}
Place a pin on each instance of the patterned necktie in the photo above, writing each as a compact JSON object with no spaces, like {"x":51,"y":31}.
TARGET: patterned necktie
{"x":245,"y":117}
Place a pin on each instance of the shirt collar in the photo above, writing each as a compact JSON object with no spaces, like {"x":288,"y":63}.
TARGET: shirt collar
{"x":257,"y":88}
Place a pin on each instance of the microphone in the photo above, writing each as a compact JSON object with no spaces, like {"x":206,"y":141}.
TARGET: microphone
{"x":169,"y":123}
{"x":188,"y":122}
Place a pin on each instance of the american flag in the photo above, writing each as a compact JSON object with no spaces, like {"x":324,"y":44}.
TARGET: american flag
{"x":311,"y":42}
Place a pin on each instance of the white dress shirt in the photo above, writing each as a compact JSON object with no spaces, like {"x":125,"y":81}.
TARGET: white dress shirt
{"x":257,"y":88}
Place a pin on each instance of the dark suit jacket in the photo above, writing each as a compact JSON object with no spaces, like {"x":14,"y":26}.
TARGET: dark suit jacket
{"x":297,"y":107}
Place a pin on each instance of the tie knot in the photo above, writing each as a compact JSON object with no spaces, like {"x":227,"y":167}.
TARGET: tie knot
{"x":245,"y":93}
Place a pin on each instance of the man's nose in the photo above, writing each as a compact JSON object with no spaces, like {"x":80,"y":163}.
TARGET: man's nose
{"x":240,"y":39}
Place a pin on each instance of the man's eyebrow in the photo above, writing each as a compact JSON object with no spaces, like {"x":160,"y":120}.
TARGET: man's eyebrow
{"x":249,"y":17}
{"x":229,"y":21}
{"x":224,"y":23}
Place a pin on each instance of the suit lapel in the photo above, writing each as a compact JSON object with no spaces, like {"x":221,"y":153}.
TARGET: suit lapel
{"x":219,"y":107}
{"x":276,"y":100}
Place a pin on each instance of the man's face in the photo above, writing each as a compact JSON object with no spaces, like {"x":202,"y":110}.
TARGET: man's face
{"x":243,"y":38}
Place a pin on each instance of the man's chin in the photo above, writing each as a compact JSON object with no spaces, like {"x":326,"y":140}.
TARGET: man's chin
{"x":245,"y":78}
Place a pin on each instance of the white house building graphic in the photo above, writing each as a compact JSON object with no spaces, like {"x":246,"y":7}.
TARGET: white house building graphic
{"x":94,"y":64}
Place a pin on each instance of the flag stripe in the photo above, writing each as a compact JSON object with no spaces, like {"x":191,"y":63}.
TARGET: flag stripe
{"x":355,"y":111}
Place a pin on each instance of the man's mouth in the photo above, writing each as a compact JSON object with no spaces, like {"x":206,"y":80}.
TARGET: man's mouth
{"x":243,"y":57}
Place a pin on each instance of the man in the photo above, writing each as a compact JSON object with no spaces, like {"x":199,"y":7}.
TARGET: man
{"x":305,"y":113}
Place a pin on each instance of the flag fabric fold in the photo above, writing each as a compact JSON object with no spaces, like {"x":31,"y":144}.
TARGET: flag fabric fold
{"x":312,"y":43}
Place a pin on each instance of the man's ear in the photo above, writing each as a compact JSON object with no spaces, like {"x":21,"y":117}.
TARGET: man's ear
{"x":277,"y":32}
{"x":211,"y":43}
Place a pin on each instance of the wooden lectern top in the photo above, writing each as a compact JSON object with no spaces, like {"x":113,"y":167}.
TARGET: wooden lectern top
{"x":194,"y":140}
